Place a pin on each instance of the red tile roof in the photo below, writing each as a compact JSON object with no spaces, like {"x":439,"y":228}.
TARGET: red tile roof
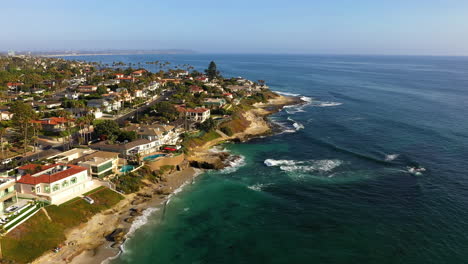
{"x":14,"y":84}
{"x":52,"y":121}
{"x":182,"y":109}
{"x":46,"y":178}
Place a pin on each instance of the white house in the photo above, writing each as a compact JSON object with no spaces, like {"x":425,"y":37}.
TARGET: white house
{"x":198,"y":114}
{"x":57,"y":183}
{"x":5,"y":115}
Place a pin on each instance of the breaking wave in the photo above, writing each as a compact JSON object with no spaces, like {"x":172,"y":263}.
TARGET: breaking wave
{"x":304,"y":166}
{"x":324,"y":104}
{"x":233,"y":164}
{"x":142,"y":219}
{"x":286,"y":94}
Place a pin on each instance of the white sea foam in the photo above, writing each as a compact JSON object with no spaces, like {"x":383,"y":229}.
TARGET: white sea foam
{"x":416,"y":170}
{"x":325,"y":104}
{"x":306,"y":99}
{"x":292,"y":109}
{"x":391,"y":157}
{"x":234,"y":164}
{"x":141,"y":220}
{"x":258,"y":186}
{"x":284,"y":127}
{"x":296,"y":125}
{"x":286,"y":93}
{"x":304,"y":166}
{"x":272,"y":162}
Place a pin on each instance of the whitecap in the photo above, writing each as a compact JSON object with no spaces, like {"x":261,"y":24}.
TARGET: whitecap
{"x":272,"y":162}
{"x":304,"y":166}
{"x":325,"y":104}
{"x":258,"y":186}
{"x":416,"y":170}
{"x":391,"y":157}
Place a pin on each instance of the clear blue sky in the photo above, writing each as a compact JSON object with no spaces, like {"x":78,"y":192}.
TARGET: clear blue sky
{"x":432,"y":27}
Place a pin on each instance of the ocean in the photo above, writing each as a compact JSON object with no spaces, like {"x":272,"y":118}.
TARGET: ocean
{"x":373,"y":169}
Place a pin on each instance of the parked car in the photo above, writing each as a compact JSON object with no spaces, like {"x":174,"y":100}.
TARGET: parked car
{"x":6,"y":161}
{"x":88,"y":199}
{"x":11,"y":209}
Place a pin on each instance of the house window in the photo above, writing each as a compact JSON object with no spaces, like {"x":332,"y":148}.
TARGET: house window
{"x":56,"y":187}
{"x":47,"y":189}
{"x":73,"y":180}
{"x":65,"y":183}
{"x":38,"y":189}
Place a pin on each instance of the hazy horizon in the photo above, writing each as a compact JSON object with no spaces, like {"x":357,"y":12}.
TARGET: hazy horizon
{"x":361,"y":27}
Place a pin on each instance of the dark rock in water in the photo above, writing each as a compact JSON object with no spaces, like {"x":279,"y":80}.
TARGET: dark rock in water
{"x":117,"y":235}
{"x":117,"y":244}
{"x":135,"y":212}
{"x":211,"y":161}
{"x":130,"y":219}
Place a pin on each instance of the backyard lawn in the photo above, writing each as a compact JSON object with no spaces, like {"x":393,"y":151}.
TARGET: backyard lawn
{"x":38,"y":235}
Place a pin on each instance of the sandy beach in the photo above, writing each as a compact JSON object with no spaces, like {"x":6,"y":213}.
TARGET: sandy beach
{"x":87,"y":243}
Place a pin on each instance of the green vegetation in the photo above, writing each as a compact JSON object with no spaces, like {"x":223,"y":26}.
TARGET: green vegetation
{"x":190,"y":142}
{"x":38,"y":235}
{"x":110,"y":130}
{"x":165,"y":111}
{"x":212,"y":71}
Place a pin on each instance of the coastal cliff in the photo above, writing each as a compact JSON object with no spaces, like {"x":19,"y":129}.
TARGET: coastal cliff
{"x":94,"y":242}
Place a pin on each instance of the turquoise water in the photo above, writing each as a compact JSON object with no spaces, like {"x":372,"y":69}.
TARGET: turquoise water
{"x":153,"y":157}
{"x":372,"y":170}
{"x":127,"y":168}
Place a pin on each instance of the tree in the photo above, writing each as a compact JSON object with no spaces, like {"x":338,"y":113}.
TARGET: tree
{"x":166,"y":110}
{"x":212,"y":71}
{"x":101,"y":90}
{"x":127,"y":136}
{"x":208,"y":125}
{"x":23,"y":114}
{"x":107,"y":129}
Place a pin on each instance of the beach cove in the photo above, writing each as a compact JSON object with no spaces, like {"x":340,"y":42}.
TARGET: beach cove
{"x":89,"y":242}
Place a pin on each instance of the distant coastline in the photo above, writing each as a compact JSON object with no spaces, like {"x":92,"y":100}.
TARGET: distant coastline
{"x":62,"y":53}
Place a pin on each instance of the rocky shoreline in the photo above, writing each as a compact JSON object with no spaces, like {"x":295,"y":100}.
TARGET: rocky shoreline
{"x":96,"y":242}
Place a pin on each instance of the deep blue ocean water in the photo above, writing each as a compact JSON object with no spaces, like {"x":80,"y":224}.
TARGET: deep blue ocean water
{"x":373,"y":170}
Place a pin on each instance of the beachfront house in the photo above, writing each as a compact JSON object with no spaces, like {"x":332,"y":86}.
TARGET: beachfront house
{"x":8,"y":195}
{"x":56,"y":183}
{"x":140,"y":146}
{"x":100,"y":163}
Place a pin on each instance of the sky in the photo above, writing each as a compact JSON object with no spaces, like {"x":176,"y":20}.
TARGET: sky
{"x":385,"y":27}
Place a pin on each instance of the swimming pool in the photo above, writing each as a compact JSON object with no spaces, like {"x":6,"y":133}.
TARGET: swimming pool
{"x":127,"y":168}
{"x":153,"y":157}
